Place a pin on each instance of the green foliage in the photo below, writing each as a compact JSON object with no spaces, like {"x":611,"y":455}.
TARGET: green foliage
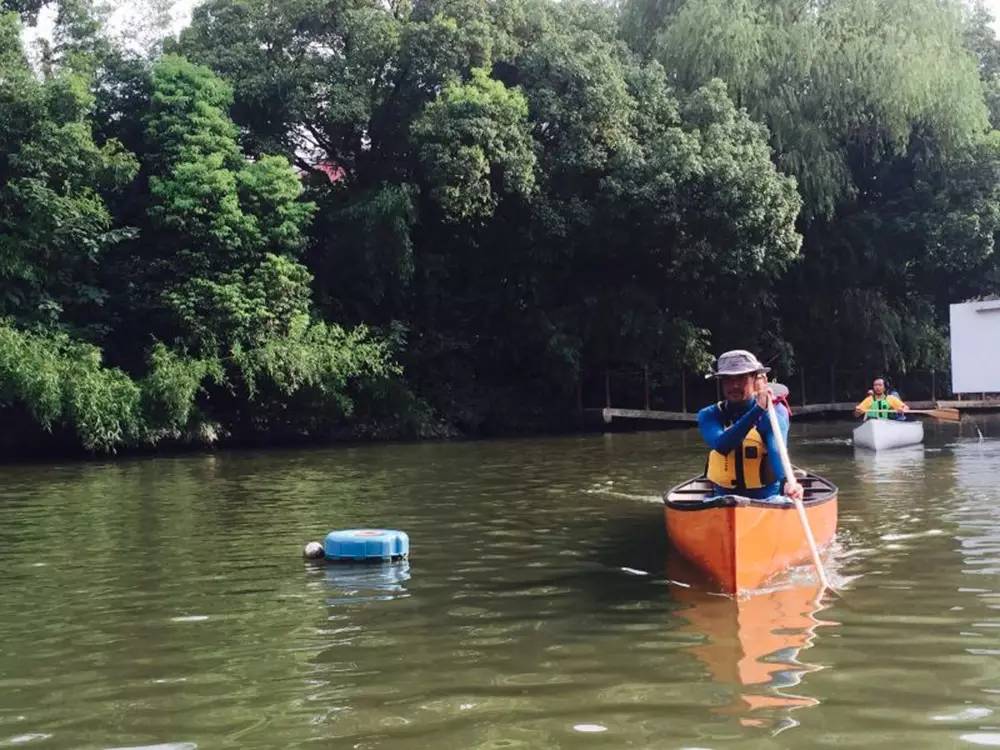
{"x":474,"y":144}
{"x":695,"y":212}
{"x":877,"y":109}
{"x":363,"y":252}
{"x":63,"y":384}
{"x":27,"y":8}
{"x":215,"y":272}
{"x":234,"y":229}
{"x":837,"y":84}
{"x":187,"y":118}
{"x":54,"y":221}
{"x":21,"y":100}
{"x":319,"y":357}
{"x":269,"y":195}
{"x":171,"y":387}
{"x":305,"y":72}
{"x":197,"y":202}
{"x":80,"y":45}
{"x":744,"y":208}
{"x":222,"y":221}
{"x":981,"y":40}
{"x":532,"y":190}
{"x":232,"y":309}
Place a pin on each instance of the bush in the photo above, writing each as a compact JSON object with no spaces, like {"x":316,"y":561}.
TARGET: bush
{"x":63,"y":383}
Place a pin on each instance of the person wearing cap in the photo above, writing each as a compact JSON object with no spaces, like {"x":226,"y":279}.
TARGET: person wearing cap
{"x":744,"y":458}
{"x":878,"y":404}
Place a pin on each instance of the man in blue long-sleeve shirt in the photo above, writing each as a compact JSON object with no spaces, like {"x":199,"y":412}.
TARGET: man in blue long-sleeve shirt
{"x":744,"y":457}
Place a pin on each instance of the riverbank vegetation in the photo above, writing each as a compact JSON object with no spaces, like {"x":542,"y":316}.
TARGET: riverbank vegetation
{"x":321,"y":218}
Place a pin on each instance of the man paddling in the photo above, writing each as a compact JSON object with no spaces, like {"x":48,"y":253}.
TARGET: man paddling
{"x":744,"y":457}
{"x":878,"y":404}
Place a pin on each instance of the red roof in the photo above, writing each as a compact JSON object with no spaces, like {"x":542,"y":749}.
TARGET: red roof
{"x":333,"y":172}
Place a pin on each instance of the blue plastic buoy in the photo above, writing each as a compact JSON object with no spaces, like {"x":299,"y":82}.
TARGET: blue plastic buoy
{"x":358,"y":545}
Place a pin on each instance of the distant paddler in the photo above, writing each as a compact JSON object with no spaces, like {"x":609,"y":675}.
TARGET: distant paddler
{"x":745,"y":458}
{"x":880,"y":405}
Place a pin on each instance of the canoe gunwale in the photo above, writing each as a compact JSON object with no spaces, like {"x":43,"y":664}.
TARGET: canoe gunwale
{"x":737,"y":501}
{"x":818,"y":491}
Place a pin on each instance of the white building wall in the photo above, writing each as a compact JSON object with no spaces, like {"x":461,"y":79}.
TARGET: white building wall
{"x":975,"y":347}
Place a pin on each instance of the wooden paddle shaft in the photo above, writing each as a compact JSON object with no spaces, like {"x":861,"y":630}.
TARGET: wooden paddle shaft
{"x":799,"y":506}
{"x":953,"y":415}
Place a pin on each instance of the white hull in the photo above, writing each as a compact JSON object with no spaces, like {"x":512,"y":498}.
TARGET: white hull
{"x":883,"y":434}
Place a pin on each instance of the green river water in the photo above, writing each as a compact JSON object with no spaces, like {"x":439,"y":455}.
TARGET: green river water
{"x":163,"y":602}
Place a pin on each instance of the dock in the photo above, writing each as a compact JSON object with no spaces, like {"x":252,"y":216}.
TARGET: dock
{"x":679,"y":395}
{"x":610,"y":414}
{"x":660,"y":416}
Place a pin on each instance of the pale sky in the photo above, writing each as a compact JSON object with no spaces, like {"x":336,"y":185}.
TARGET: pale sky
{"x":129,"y":15}
{"x":182,"y":12}
{"x":994,"y":6}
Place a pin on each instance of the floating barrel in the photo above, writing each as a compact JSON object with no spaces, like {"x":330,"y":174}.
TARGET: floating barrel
{"x":359,"y":545}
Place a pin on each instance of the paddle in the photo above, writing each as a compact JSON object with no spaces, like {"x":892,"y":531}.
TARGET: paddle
{"x":950,"y":415}
{"x":783,"y":452}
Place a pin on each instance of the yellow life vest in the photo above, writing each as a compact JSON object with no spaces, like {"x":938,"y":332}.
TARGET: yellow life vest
{"x":880,"y":408}
{"x":745,"y":468}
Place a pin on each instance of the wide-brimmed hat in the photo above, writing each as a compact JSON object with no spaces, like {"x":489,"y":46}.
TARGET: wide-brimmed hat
{"x":737,"y":362}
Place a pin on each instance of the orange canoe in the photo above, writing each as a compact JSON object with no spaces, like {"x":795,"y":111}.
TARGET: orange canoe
{"x":741,"y":543}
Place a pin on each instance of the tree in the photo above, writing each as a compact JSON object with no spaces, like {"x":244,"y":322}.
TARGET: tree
{"x":864,"y":100}
{"x":224,"y":275}
{"x":28,"y":9}
{"x":474,"y":145}
{"x":981,"y":40}
{"x":504,"y":194}
{"x":490,"y":166}
{"x":839,"y":85}
{"x":54,"y":222}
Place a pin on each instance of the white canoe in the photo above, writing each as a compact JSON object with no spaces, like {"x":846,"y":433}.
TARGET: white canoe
{"x":883,"y":434}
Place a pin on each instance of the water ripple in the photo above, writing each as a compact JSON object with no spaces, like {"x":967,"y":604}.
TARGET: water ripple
{"x":162,"y":603}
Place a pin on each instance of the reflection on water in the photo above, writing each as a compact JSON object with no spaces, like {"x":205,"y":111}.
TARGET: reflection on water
{"x":890,"y":466}
{"x":753,"y":643}
{"x":977,"y":465}
{"x":977,"y":512}
{"x":364,"y":582}
{"x":164,"y":603}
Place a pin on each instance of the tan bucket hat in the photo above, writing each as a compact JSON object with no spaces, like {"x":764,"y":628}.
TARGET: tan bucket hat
{"x":737,"y":362}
